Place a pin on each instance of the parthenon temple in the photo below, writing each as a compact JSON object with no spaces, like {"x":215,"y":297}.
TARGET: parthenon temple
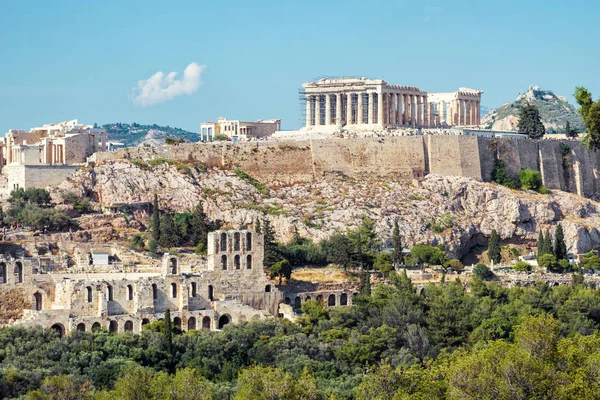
{"x":375,"y":104}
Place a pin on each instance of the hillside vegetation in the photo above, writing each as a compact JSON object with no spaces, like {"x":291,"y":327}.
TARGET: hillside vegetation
{"x":136,"y":134}
{"x":555,"y":111}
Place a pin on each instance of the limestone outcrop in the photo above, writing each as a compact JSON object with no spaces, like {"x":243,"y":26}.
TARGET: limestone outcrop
{"x":457,"y":211}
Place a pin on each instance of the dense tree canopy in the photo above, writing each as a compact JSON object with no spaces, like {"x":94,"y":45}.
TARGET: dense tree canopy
{"x":590,"y":112}
{"x":530,"y":121}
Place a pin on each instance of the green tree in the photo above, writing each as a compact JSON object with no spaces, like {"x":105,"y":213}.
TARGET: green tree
{"x":530,"y":121}
{"x":560,"y":247}
{"x":169,"y":234}
{"x":155,"y":221}
{"x":590,"y":112}
{"x":380,"y":384}
{"x":173,"y":141}
{"x":483,"y":272}
{"x":541,"y":245}
{"x":341,"y":251}
{"x":281,"y":269}
{"x":548,"y":261}
{"x":168,"y":334}
{"x":430,"y":255}
{"x":271,"y":252}
{"x":570,"y":133}
{"x":548,"y":243}
{"x":494,"y":247}
{"x":199,"y":227}
{"x":188,"y":384}
{"x":397,"y":256}
{"x":530,"y":179}
{"x":265,"y":383}
{"x":590,"y":261}
{"x":383,"y":263}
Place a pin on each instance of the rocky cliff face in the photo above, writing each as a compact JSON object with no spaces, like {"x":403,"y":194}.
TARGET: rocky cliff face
{"x":555,"y":111}
{"x":459,"y":212}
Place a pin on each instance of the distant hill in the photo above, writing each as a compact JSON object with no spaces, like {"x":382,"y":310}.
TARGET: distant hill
{"x":152,"y":135}
{"x":555,"y":111}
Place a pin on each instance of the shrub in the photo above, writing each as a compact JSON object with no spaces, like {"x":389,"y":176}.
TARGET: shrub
{"x":501,"y":177}
{"x":137,"y":242}
{"x":548,"y":261}
{"x":259,"y":186}
{"x":530,"y":179}
{"x":172,"y":141}
{"x":219,"y":137}
{"x":83,"y":206}
{"x":483,"y":272}
{"x":521,"y":266}
{"x":454,"y":265}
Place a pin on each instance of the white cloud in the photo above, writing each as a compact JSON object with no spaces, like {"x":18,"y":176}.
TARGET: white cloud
{"x":160,"y":87}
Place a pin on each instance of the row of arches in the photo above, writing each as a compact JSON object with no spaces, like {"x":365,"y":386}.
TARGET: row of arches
{"x":17,"y":272}
{"x":332,"y":300}
{"x":236,"y":262}
{"x":237,"y":242}
{"x":109,"y":292}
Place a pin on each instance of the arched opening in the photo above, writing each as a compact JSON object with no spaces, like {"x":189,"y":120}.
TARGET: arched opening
{"x":248,"y":261}
{"x":145,"y":321}
{"x":194,"y":289}
{"x":110,"y":293}
{"x":2,"y":273}
{"x":113,"y":327}
{"x":242,"y":318}
{"x":81,"y":327}
{"x":173,"y":262}
{"x":297,"y":303}
{"x":267,"y":288}
{"x":320,"y":299}
{"x":192,"y":324}
{"x":255,"y":317}
{"x":248,"y":241}
{"x":177,"y":322}
{"x":174,"y":290}
{"x":210,"y":293}
{"x":154,"y":291}
{"x":96,"y":326}
{"x":344,"y":299}
{"x":129,"y":292}
{"x":18,"y":272}
{"x":288,"y":300}
{"x":307,"y":298}
{"x":224,"y":262}
{"x":236,"y":241}
{"x":331,"y":300}
{"x":236,"y":261}
{"x":128,"y":327}
{"x":37,"y":302}
{"x":223,"y":242}
{"x":224,"y":320}
{"x":59,"y":328}
{"x":89,"y":294}
{"x":206,"y":323}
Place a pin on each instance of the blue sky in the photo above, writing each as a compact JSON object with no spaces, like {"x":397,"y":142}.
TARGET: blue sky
{"x":81,"y":59}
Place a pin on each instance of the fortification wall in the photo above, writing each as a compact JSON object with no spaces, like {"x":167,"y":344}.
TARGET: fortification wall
{"x":391,"y":158}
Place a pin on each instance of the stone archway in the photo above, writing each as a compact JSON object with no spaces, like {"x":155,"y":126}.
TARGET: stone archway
{"x":206,"y":323}
{"x":331,"y":300}
{"x":224,"y":320}
{"x":192,"y":324}
{"x":81,"y":327}
{"x":128,"y":327}
{"x":60,"y":328}
{"x":113,"y":327}
{"x":18,"y":272}
{"x":96,"y":326}
{"x":37,"y":304}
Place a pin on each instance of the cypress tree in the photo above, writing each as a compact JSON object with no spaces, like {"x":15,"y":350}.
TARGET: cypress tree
{"x":199,"y":226}
{"x":494,"y":247}
{"x":560,"y":247}
{"x":396,"y":244}
{"x":169,"y":234}
{"x":271,"y":254}
{"x":548,"y":246}
{"x":168,"y":333}
{"x":155,"y":221}
{"x":568,"y":129}
{"x":530,"y":121}
{"x":541,"y":244}
{"x":257,"y":228}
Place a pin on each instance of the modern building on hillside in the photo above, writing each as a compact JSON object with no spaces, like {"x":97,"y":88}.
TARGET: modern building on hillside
{"x":362,"y":103}
{"x":238,"y":130}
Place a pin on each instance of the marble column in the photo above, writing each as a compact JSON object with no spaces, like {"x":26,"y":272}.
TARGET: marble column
{"x":370,"y":109}
{"x":318,"y":109}
{"x":478,"y":111}
{"x":327,"y":109}
{"x":338,"y":109}
{"x":413,"y":109}
{"x":360,"y":107}
{"x":380,"y":108}
{"x":308,"y":112}
{"x":459,"y":112}
{"x":419,"y":112}
{"x":400,"y":114}
{"x":425,"y":111}
{"x":349,"y":109}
